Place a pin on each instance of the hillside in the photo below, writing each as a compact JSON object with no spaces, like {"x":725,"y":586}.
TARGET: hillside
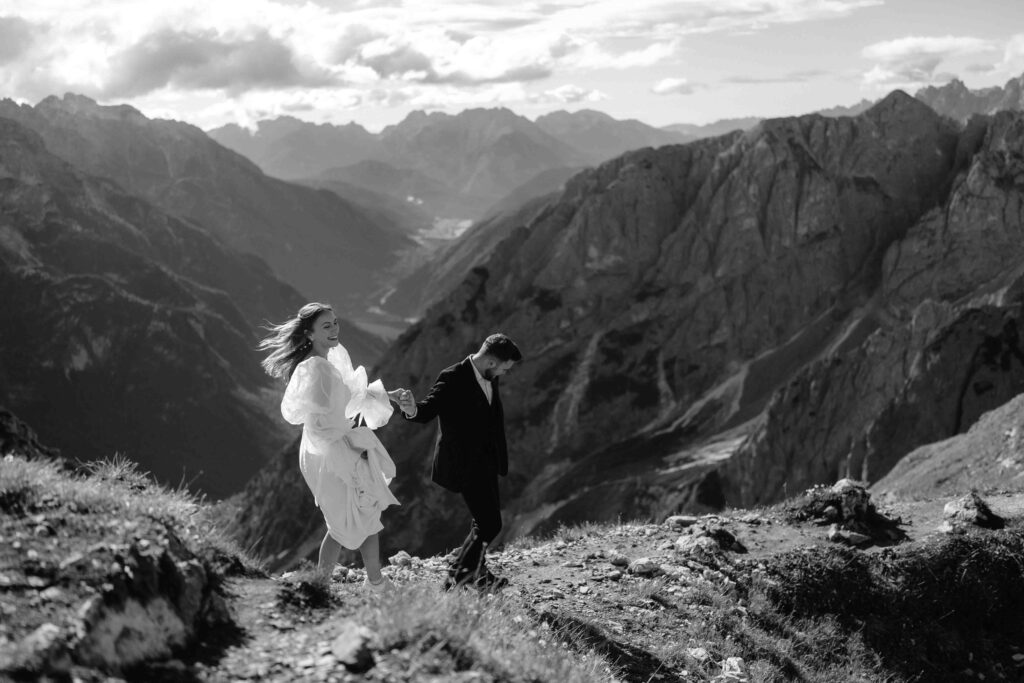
{"x":127,"y":330}
{"x":107,"y":574}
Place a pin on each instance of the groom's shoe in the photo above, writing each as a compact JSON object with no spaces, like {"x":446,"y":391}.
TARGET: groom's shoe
{"x":488,"y":582}
{"x":458,"y":580}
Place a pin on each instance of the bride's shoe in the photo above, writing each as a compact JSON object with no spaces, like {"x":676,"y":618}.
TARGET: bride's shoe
{"x":383,"y":586}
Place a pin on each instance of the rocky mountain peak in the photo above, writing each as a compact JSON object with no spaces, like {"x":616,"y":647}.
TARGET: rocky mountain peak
{"x":899,"y":106}
{"x":80,"y":105}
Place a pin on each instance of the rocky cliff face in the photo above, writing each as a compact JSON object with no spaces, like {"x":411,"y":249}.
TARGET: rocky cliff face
{"x":314,"y":240}
{"x":945,"y":347}
{"x":122,"y":329}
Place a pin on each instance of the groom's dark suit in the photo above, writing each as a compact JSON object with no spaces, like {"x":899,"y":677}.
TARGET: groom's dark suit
{"x":469,"y":455}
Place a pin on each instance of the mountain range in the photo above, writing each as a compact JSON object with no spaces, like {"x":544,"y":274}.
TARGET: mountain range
{"x":458,"y":165}
{"x":705,"y":324}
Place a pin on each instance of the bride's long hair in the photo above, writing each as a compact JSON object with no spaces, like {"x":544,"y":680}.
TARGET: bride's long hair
{"x":288,"y":343}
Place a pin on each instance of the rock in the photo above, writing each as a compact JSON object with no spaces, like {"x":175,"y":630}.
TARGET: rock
{"x":618,"y":559}
{"x":43,"y":650}
{"x":680,"y":521}
{"x":52,"y":593}
{"x":703,"y":548}
{"x":734,"y":669}
{"x":401,"y":559}
{"x":698,"y":653}
{"x":644,"y":566}
{"x":972,"y":509}
{"x":854,"y":499}
{"x":354,"y":647}
{"x":855,"y":538}
{"x":840,"y":535}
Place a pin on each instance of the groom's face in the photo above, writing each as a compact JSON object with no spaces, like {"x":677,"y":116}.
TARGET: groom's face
{"x":501,"y":368}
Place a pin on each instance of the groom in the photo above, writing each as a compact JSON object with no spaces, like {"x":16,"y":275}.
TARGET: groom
{"x":470,"y":452}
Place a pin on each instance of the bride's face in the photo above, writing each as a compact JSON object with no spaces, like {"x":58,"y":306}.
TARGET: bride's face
{"x":324,"y":333}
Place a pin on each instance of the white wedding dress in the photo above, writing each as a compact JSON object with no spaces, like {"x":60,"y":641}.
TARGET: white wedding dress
{"x":347,"y":469}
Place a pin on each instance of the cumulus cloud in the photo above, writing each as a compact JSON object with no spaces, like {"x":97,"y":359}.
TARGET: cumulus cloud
{"x":567,"y":94}
{"x":592,"y":56}
{"x":673,"y":86}
{"x":914,"y":60}
{"x":389,"y":52}
{"x":16,"y":36}
{"x":1013,"y":55}
{"x":443,"y":60}
{"x":206,"y":60}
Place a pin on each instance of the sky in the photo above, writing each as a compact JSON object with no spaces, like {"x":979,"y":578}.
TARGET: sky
{"x":373,"y":61}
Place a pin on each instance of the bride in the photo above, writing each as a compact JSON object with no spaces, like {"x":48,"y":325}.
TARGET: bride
{"x":345,"y":465}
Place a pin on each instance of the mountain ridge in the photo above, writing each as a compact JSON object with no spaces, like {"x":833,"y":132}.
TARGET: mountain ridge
{"x":322,"y":245}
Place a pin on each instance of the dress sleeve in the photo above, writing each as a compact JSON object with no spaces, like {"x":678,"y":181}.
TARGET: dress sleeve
{"x":369,"y":400}
{"x":308,"y":393}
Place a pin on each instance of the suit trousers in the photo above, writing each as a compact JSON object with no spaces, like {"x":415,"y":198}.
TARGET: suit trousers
{"x":484,"y":505}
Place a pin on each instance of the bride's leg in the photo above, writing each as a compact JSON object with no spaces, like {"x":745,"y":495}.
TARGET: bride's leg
{"x":330,"y":550}
{"x":370,"y":550}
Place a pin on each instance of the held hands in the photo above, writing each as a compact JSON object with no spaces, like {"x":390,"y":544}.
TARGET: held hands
{"x":405,"y":400}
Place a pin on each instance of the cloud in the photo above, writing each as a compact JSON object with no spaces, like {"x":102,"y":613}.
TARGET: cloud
{"x":673,"y":86}
{"x":913,"y":60}
{"x":792,"y":77}
{"x":593,"y":56}
{"x":1013,"y":56}
{"x":16,"y":37}
{"x":468,"y":61}
{"x":567,"y":94}
{"x":384,"y":53}
{"x":206,"y":60}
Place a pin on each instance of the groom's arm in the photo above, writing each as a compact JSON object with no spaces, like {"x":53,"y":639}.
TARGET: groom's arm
{"x":435,"y":401}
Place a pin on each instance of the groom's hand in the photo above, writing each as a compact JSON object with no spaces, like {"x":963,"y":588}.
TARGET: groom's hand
{"x":407,"y":402}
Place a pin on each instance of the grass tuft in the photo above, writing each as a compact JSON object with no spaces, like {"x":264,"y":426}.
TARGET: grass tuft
{"x":463,"y":631}
{"x":306,"y":589}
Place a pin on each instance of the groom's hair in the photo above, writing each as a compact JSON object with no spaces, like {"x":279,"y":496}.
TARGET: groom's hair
{"x":501,"y":347}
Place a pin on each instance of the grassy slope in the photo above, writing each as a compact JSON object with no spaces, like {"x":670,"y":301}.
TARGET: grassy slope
{"x":793,"y":606}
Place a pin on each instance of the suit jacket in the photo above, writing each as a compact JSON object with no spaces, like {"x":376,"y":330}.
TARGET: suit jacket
{"x":470,"y":450}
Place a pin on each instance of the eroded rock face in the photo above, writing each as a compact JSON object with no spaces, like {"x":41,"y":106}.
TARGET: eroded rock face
{"x":158,"y":599}
{"x":945,"y":350}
